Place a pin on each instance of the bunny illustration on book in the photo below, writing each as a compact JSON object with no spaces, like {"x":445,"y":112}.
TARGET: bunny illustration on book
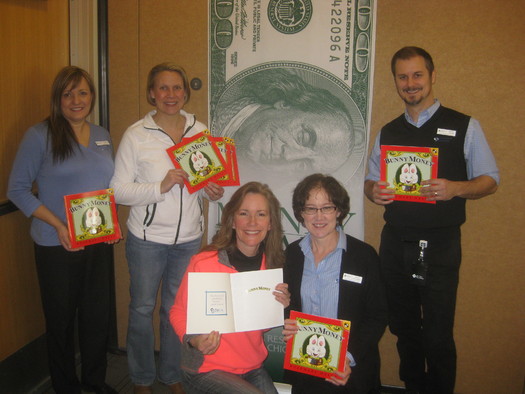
{"x":316,"y":349}
{"x":92,"y":220}
{"x":200,"y":164}
{"x":408,"y":178}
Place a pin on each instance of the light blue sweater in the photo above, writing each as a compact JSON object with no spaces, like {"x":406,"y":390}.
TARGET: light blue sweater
{"x":87,"y":169}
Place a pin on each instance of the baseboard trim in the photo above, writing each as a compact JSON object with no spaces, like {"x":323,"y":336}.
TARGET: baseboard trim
{"x":26,"y":371}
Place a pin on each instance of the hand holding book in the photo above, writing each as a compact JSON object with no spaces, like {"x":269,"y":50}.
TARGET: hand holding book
{"x":341,"y":378}
{"x":316,"y":345}
{"x":206,"y":343}
{"x":381,"y":193}
{"x":407,"y":169}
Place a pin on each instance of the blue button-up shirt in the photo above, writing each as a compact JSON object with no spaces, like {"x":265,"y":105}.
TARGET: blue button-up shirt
{"x":320,"y":284}
{"x":478,"y":156}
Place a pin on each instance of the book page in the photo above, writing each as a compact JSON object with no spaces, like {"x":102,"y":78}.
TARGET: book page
{"x":255,"y":307}
{"x":209,"y":303}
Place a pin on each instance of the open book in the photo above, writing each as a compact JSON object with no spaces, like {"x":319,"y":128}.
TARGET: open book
{"x":234,"y":302}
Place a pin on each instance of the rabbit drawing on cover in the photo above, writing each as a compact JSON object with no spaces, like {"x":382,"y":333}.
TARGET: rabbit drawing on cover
{"x":93,"y":220}
{"x":200,"y":163}
{"x":409,"y":177}
{"x":316,"y":349}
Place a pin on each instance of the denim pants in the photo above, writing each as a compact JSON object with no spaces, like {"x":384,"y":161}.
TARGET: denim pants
{"x":149,"y":264}
{"x":257,"y":381}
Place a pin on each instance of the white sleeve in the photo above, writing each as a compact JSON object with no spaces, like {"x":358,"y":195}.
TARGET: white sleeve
{"x":127,"y":190}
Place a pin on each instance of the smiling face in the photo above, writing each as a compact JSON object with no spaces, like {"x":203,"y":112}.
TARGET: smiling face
{"x":277,"y":136}
{"x":320,"y":225}
{"x":414,"y":82}
{"x":168,"y":92}
{"x":251,"y":223}
{"x":75,"y":102}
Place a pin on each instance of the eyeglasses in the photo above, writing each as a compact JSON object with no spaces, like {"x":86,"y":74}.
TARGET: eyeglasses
{"x":325,"y":210}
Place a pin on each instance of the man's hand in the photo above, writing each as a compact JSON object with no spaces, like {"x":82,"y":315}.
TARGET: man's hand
{"x":379,"y":192}
{"x":441,"y":189}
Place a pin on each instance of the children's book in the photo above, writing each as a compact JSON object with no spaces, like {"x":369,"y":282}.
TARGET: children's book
{"x":200,"y":158}
{"x":226,"y":146}
{"x":233,"y":302}
{"x":92,"y":217}
{"x":405,"y":167}
{"x":319,"y":347}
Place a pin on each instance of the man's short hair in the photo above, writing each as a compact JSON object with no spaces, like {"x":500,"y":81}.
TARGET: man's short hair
{"x":406,"y":53}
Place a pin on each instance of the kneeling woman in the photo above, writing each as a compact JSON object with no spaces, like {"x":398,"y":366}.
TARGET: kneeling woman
{"x":249,"y":239}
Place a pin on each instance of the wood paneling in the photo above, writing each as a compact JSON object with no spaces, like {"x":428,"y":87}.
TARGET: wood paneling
{"x":20,"y":307}
{"x":34,"y":42}
{"x":34,"y":45}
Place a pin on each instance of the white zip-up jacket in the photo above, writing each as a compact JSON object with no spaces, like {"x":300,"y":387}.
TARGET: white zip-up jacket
{"x":141,"y":164}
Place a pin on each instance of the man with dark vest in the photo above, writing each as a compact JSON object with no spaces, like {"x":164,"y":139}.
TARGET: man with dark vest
{"x":420,"y":247}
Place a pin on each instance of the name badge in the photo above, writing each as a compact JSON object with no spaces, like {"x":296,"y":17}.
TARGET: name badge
{"x":102,"y":143}
{"x":353,"y":278}
{"x":447,"y":132}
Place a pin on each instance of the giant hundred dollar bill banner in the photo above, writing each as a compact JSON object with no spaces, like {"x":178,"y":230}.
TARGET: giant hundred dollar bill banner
{"x":290,"y":82}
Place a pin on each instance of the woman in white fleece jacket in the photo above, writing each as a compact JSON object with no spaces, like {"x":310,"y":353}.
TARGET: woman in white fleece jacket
{"x":165,"y":222}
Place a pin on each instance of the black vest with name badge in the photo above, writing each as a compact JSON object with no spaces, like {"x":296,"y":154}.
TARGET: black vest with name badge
{"x":451,"y":166}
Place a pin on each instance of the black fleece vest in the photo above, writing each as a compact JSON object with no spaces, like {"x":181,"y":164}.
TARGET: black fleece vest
{"x":451,"y":166}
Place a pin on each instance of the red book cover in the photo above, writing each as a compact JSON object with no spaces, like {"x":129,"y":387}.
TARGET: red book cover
{"x":92,"y":217}
{"x":200,"y":158}
{"x":405,"y":167}
{"x":319,"y":347}
{"x":226,"y":146}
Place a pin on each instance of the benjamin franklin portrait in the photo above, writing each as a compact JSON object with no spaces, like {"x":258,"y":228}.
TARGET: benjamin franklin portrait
{"x":291,"y":120}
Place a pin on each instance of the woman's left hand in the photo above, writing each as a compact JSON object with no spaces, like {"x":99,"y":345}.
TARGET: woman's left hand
{"x":290,"y":329}
{"x":282,"y":294}
{"x":214,"y":191}
{"x":341,"y":378}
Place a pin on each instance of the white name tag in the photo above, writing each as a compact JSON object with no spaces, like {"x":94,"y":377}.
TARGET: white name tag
{"x":352,"y":278}
{"x":447,"y":132}
{"x":102,"y":143}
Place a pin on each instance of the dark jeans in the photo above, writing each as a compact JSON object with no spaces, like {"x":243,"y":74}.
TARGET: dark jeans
{"x":257,"y":381}
{"x":71,"y":284}
{"x":422,"y":317}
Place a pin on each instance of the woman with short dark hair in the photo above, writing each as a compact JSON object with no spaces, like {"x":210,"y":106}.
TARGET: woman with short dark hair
{"x":335,"y":275}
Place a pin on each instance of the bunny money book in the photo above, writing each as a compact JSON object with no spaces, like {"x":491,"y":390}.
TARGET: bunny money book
{"x":92,"y":217}
{"x":319,"y":347}
{"x":405,"y":167}
{"x":200,"y":157}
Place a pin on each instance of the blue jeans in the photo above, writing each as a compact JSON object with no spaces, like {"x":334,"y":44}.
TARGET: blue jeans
{"x":149,"y":264}
{"x":257,"y":381}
